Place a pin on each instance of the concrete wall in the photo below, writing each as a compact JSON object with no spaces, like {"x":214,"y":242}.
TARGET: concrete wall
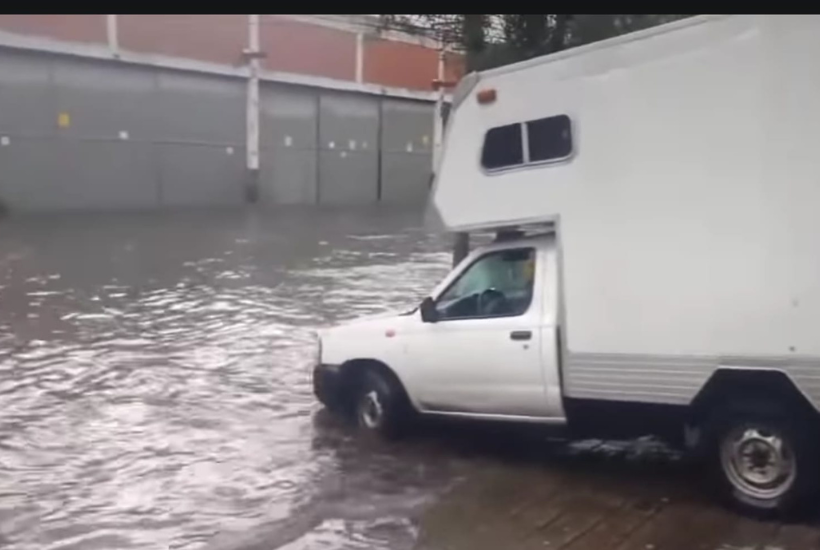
{"x":90,"y":134}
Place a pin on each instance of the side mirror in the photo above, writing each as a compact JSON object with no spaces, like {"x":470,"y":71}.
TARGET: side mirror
{"x":428,"y":310}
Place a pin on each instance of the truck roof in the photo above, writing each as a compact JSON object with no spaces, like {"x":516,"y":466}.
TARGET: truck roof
{"x":602,"y":44}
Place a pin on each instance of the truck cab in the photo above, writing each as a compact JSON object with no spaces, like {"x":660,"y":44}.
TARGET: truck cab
{"x":483,"y":344}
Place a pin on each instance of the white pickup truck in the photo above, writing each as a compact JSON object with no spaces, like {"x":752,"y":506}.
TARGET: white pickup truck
{"x":657,"y":269}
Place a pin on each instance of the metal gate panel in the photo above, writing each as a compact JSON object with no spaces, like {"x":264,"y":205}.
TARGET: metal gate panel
{"x":348,"y":177}
{"x":73,"y":174}
{"x":288,"y":177}
{"x":26,"y":98}
{"x":287,"y":135}
{"x":201,"y":129}
{"x":406,"y":145}
{"x":406,"y":178}
{"x":348,"y":149}
{"x":103,"y":101}
{"x":201,"y":109}
{"x":196,"y":175}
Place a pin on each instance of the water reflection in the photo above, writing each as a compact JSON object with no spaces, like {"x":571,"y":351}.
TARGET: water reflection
{"x":155,"y":389}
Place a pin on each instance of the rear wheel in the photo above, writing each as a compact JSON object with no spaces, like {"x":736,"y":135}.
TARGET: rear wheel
{"x":766,"y":459}
{"x":380,"y":405}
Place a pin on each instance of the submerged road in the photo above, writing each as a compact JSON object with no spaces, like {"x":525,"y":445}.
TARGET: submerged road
{"x":155,"y":391}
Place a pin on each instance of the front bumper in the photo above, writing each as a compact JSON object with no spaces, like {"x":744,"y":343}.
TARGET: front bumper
{"x":327,"y":385}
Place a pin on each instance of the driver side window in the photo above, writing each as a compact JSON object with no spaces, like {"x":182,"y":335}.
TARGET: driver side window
{"x":498,"y":284}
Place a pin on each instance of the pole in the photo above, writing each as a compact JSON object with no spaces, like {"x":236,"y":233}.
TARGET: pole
{"x":461,"y":247}
{"x":438,"y":119}
{"x":252,"y":110}
{"x":461,"y":241}
{"x":360,"y":57}
{"x":111,"y":34}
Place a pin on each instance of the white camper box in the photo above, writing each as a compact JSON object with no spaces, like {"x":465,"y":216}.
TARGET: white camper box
{"x":686,"y":211}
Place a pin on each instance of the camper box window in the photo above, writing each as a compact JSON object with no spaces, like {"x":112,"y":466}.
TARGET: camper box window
{"x":550,"y":139}
{"x":503,"y":147}
{"x":547,"y":140}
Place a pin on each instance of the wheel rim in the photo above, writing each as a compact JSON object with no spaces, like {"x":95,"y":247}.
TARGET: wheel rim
{"x":758,"y":461}
{"x":371,"y":410}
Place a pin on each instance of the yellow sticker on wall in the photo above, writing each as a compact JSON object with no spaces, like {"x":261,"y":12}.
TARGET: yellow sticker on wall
{"x":63,"y":120}
{"x":425,"y":140}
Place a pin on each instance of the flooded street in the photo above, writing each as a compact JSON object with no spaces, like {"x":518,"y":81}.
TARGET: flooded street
{"x":155,"y":380}
{"x":155,"y":386}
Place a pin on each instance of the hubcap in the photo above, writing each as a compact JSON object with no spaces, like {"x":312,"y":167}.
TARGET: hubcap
{"x":758,"y":462}
{"x":371,"y":411}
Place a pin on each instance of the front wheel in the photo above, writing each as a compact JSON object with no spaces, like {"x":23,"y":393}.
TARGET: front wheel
{"x":766,"y":460}
{"x":380,"y":405}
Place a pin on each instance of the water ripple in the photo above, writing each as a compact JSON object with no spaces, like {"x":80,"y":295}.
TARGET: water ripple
{"x":155,"y":388}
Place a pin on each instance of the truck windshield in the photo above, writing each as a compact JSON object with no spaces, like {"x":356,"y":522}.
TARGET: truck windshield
{"x":497,"y":284}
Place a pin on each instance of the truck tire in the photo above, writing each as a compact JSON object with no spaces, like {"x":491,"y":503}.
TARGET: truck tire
{"x":765,"y":459}
{"x":327,"y":393}
{"x":380,"y":405}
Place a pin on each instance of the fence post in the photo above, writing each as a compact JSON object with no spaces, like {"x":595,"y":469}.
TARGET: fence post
{"x":360,"y":57}
{"x":112,"y":35}
{"x":253,"y":55}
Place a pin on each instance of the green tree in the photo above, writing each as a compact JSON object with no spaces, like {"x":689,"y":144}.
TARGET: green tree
{"x":492,"y":40}
{"x":531,"y":35}
{"x":592,"y":28}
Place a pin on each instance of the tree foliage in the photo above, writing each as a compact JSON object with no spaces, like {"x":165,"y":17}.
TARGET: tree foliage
{"x":492,"y":40}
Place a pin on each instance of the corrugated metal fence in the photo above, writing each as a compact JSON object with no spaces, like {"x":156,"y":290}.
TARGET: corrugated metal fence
{"x":89,"y":134}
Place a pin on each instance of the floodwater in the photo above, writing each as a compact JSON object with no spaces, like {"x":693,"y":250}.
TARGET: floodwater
{"x":155,"y":394}
{"x":155,"y":380}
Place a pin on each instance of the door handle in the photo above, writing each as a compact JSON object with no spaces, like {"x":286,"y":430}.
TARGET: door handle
{"x":520,"y":335}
